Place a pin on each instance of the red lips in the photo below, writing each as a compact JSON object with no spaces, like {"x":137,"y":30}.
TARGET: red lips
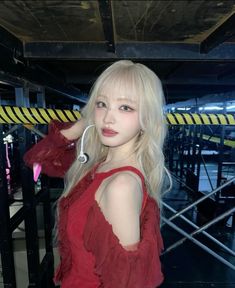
{"x":109,"y":132}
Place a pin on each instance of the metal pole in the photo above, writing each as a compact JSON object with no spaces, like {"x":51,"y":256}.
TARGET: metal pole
{"x":202,"y":198}
{"x":182,"y":152}
{"x":48,"y":226}
{"x":179,"y":242}
{"x":195,"y":241}
{"x":199,"y":153}
{"x":31,"y":229}
{"x":220,"y":160}
{"x":47,"y":272}
{"x":7,"y":257}
{"x":207,"y":174}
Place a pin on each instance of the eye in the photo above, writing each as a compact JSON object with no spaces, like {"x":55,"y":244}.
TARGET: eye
{"x":126,"y":108}
{"x":100,"y":104}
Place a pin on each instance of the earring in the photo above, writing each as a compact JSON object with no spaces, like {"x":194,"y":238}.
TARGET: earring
{"x":141,"y":132}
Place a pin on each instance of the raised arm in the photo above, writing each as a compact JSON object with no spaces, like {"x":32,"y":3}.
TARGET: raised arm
{"x":56,"y":152}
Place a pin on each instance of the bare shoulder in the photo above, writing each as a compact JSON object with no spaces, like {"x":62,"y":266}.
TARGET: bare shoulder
{"x":124,"y":187}
{"x":121,"y":206}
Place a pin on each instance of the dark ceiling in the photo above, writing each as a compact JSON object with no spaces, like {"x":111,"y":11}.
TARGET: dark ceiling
{"x":64,"y":45}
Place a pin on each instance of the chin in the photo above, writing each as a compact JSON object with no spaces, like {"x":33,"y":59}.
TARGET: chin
{"x":109,"y":142}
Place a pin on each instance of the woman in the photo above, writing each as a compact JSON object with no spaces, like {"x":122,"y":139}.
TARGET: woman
{"x":108,"y":220}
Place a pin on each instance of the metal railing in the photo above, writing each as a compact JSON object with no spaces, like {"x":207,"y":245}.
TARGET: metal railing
{"x":191,"y":236}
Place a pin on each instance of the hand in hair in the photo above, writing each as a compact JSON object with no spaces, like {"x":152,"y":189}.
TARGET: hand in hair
{"x":75,"y":131}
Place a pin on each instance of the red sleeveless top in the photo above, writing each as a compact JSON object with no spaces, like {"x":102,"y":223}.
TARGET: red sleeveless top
{"x":91,"y":255}
{"x":78,"y":266}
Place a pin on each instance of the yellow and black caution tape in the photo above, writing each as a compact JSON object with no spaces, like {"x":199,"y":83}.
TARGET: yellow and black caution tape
{"x":22,"y":115}
{"x":210,"y":138}
{"x":200,"y":119}
{"x":229,"y":143}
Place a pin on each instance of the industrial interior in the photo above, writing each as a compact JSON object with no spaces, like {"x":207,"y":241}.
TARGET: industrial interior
{"x":51,"y":52}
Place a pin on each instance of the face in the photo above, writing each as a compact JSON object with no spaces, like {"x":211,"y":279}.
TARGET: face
{"x":117,"y":119}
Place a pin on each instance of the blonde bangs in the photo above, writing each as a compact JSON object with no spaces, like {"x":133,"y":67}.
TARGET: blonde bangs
{"x":125,"y":80}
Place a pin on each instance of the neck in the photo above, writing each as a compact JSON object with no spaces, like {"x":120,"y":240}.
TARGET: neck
{"x":121,"y":155}
{"x":116,"y":156}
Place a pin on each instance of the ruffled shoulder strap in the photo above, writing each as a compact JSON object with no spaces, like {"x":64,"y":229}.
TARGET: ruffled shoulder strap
{"x":132,"y":169}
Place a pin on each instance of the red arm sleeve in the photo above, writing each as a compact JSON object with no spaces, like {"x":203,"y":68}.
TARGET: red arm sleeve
{"x":117,"y":267}
{"x":54,"y":152}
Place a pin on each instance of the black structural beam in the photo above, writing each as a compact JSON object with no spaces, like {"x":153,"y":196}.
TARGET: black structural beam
{"x":39,"y":75}
{"x":12,"y":53}
{"x":219,"y":35}
{"x":81,"y":79}
{"x":192,"y":89}
{"x":6,"y":249}
{"x":10,"y":42}
{"x":27,"y":185}
{"x":185,"y":93}
{"x":9,"y":79}
{"x":18,"y":217}
{"x":230,"y":73}
{"x":16,"y":71}
{"x":33,"y":77}
{"x":201,"y":81}
{"x":172,"y":70}
{"x":143,"y":50}
{"x":107,"y":22}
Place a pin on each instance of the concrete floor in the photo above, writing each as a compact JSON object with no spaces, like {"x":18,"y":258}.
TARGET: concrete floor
{"x":20,"y":259}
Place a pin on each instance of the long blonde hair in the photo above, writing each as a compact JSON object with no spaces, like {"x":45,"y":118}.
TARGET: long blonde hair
{"x":137,"y":78}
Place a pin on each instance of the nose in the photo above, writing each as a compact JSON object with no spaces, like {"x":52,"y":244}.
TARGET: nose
{"x":109,"y":116}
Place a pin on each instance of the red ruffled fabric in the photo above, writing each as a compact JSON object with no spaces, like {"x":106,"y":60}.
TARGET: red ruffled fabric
{"x":117,"y":267}
{"x":54,"y":152}
{"x":63,"y":241}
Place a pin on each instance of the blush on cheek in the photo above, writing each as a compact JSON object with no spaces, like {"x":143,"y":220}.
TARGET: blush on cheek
{"x":98,"y":111}
{"x":133,"y":118}
{"x":97,"y":114}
